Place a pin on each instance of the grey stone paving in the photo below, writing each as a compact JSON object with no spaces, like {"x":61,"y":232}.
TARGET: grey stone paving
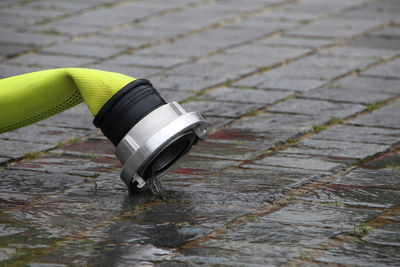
{"x":302,"y":164}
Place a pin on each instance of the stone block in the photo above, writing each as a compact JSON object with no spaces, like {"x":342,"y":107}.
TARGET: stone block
{"x":241,"y":253}
{"x":359,"y":52}
{"x":79,"y":49}
{"x":360,"y":254}
{"x":184,"y":83}
{"x":337,"y":149}
{"x":370,"y":84}
{"x":7,"y":70}
{"x":111,"y":41}
{"x":221,"y":109}
{"x":133,"y":71}
{"x":299,"y":162}
{"x":176,"y":50}
{"x":245,"y":95}
{"x":308,"y":73}
{"x":388,"y":70}
{"x":257,"y":180}
{"x":43,"y":134}
{"x":388,"y":32}
{"x":147,"y":61}
{"x":27,"y":38}
{"x":335,"y":28}
{"x":339,"y":195}
{"x":244,"y":61}
{"x":387,"y":235}
{"x":42,"y":14}
{"x":51,"y":60}
{"x":280,"y":123}
{"x":90,"y":166}
{"x":370,"y":178}
{"x":201,"y":166}
{"x":279,"y":234}
{"x":213,"y":70}
{"x":387,"y":117}
{"x":297,"y":42}
{"x":345,"y":64}
{"x":347,"y":95}
{"x":147,"y":31}
{"x":269,"y":51}
{"x":360,"y":134}
{"x":18,"y":149}
{"x":377,"y":42}
{"x":267,"y":81}
{"x":323,"y":109}
{"x":12,"y":50}
{"x":32,"y":182}
{"x":65,"y":6}
{"x":338,"y":218}
{"x":224,"y":151}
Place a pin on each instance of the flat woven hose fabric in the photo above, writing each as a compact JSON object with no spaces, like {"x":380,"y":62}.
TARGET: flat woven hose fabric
{"x":31,"y":97}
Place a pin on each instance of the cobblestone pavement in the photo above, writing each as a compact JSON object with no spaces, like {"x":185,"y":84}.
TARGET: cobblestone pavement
{"x":302,"y":167}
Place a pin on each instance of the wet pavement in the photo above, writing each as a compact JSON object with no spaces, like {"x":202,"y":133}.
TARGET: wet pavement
{"x":302,"y":164}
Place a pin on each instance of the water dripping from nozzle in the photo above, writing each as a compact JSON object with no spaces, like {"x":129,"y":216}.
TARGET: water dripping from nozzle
{"x":154,"y":184}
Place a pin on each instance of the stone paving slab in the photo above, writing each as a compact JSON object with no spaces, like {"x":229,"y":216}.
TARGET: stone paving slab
{"x":322,"y":215}
{"x":245,"y":95}
{"x":337,"y":149}
{"x":51,"y":60}
{"x":391,"y":70}
{"x":369,"y":84}
{"x":301,"y":162}
{"x":301,"y":167}
{"x":313,"y":107}
{"x":347,"y":95}
{"x":360,"y":255}
{"x":359,"y":134}
{"x":18,"y":149}
{"x":44,"y":134}
{"x":280,"y":123}
{"x":281,"y":83}
{"x":387,"y":117}
{"x":222,"y":109}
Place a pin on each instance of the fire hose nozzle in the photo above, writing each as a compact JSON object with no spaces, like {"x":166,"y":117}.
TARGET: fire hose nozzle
{"x":150,"y":134}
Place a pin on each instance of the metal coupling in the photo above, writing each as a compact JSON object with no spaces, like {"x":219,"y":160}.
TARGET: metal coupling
{"x":157,"y":141}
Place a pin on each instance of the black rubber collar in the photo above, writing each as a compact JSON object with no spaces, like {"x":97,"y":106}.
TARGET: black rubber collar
{"x":126,"y":108}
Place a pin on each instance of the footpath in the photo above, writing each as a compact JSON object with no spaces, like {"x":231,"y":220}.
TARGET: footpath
{"x":302,"y":164}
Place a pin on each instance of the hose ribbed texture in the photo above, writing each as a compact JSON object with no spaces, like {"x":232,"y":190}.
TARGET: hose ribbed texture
{"x":31,"y":97}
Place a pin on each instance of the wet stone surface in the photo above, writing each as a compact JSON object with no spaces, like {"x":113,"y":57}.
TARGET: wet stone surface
{"x":361,"y":254}
{"x":321,"y":215}
{"x":43,"y":134}
{"x":90,"y":166}
{"x":238,"y":253}
{"x":301,"y":167}
{"x":298,"y":161}
{"x":337,"y":149}
{"x":224,"y":150}
{"x":359,"y":134}
{"x":18,"y":149}
{"x":357,"y":195}
{"x":385,"y":117}
{"x":20,"y":181}
{"x":280,"y":234}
